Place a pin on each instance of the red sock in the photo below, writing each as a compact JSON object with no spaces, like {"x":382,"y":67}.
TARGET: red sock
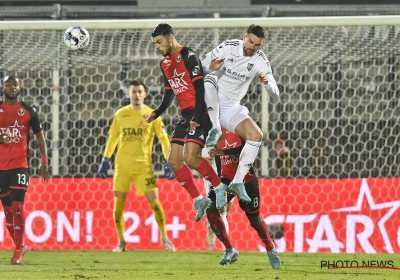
{"x":8,"y":212}
{"x":19,"y":224}
{"x":263,"y":233}
{"x":185,"y":178}
{"x":218,"y":227}
{"x":205,"y":169}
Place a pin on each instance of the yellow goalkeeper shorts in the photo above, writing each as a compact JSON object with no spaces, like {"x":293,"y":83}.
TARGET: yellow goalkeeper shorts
{"x":143,"y":182}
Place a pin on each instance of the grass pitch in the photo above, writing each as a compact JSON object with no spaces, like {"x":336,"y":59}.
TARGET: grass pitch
{"x":186,"y":265}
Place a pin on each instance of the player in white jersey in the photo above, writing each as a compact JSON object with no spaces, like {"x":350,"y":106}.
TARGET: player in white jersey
{"x":231,"y":68}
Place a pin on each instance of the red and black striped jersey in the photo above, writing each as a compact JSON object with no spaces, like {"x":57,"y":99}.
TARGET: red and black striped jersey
{"x":180,"y":70}
{"x":15,"y":121}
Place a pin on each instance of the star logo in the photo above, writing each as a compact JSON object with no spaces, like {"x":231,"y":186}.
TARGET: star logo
{"x":365,"y":197}
{"x":178,"y":83}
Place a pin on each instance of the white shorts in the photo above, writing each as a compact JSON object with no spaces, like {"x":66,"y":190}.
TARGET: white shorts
{"x":231,"y":114}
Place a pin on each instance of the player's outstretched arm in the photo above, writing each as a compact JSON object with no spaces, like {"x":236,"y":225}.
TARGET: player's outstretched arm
{"x":165,"y":103}
{"x":44,"y":167}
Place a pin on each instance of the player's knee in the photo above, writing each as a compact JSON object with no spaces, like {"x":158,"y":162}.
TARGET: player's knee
{"x":254,"y":219}
{"x":192,"y":161}
{"x":255,"y":136}
{"x":175,"y":165}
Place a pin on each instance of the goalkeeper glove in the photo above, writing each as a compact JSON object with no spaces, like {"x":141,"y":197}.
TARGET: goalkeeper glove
{"x":104,"y":165}
{"x":169,"y":174}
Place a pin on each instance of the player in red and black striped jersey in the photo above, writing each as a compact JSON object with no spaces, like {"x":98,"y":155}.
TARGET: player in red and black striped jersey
{"x":16,"y":117}
{"x":183,"y":79}
{"x":228,"y":152}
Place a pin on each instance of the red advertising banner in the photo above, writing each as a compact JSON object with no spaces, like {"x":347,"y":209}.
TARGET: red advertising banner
{"x":317,"y":215}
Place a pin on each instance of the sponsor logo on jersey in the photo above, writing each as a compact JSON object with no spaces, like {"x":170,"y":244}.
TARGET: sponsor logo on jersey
{"x":14,"y":131}
{"x":250,"y":66}
{"x":196,"y":70}
{"x":21,"y":112}
{"x":178,"y":83}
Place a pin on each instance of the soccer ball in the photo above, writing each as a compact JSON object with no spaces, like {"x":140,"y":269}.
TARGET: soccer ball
{"x":76,"y":38}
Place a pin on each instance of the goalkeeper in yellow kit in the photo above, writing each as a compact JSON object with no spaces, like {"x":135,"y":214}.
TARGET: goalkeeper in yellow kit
{"x":133,"y":162}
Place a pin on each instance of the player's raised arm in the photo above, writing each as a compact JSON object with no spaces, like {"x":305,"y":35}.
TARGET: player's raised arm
{"x":266,"y":78}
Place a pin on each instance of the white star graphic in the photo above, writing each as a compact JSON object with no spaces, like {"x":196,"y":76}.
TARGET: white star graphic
{"x":179,"y":77}
{"x":394,"y":205}
{"x":16,"y":125}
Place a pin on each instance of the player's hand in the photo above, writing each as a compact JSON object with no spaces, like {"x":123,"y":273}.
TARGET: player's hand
{"x":169,"y":174}
{"x":193,"y":125}
{"x":216,"y":152}
{"x":104,"y":165}
{"x":152,"y":117}
{"x":5,"y":138}
{"x":216,"y":63}
{"x":262,"y":78}
{"x":44,"y":171}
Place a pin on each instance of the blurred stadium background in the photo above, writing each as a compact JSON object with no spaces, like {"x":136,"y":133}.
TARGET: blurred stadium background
{"x":338,"y":116}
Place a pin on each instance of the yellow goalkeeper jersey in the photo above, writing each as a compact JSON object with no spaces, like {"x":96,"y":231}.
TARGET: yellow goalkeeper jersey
{"x":134,"y":138}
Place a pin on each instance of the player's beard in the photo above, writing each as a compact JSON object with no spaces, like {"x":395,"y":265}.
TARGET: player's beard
{"x":249,"y":52}
{"x":11,"y":97}
{"x":167,"y":51}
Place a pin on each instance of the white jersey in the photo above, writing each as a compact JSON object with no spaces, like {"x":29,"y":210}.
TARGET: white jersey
{"x":238,"y":71}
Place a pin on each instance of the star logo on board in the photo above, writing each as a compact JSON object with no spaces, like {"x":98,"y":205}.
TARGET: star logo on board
{"x":365,"y":200}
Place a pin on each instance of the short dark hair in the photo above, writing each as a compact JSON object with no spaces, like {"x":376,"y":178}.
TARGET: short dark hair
{"x":163,"y":29}
{"x":256,"y":30}
{"x":136,"y":83}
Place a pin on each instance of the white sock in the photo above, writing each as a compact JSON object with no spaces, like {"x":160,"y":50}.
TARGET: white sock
{"x":246,"y":160}
{"x":223,"y":216}
{"x":211,"y":99}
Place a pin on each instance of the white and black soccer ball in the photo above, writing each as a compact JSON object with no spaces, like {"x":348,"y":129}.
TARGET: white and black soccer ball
{"x":76,"y":38}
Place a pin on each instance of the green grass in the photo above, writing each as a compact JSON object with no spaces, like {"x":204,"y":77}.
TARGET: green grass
{"x":184,"y":265}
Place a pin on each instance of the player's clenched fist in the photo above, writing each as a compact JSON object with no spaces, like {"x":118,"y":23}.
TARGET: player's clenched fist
{"x":4,"y":138}
{"x":262,"y":78}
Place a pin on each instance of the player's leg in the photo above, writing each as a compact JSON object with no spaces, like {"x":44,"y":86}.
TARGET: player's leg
{"x":218,"y":227}
{"x":207,"y":185}
{"x":182,"y":171}
{"x":145,"y":184}
{"x":121,"y":187}
{"x":252,"y":211}
{"x":19,"y":180}
{"x":194,"y":142}
{"x":253,"y":135}
{"x":235,"y":117}
{"x":6,"y":201}
{"x":212,"y":101}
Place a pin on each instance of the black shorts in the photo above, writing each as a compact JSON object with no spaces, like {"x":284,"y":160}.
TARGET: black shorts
{"x":253,"y":191}
{"x":13,"y":179}
{"x":181,"y":133}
